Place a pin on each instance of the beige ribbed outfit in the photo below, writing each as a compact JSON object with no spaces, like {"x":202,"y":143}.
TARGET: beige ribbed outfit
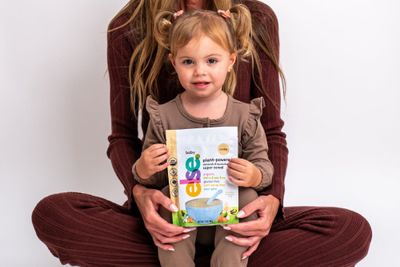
{"x":252,"y":147}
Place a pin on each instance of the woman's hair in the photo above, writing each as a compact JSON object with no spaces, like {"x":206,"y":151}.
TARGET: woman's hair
{"x":148,"y":56}
{"x":230,"y":30}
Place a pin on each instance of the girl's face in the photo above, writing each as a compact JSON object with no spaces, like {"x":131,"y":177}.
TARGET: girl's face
{"x":194,"y":4}
{"x":202,"y":66}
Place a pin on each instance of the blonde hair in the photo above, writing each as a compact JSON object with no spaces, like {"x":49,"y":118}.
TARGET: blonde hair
{"x":232,"y":33}
{"x":148,"y":57}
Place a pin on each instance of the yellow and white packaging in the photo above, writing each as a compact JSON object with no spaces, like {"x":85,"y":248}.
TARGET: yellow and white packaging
{"x":197,"y":175}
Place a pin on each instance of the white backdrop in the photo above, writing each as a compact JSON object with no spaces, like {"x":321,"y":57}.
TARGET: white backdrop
{"x":340,"y":59}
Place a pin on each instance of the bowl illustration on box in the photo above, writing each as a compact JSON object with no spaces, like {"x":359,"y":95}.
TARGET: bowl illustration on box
{"x":202,"y":212}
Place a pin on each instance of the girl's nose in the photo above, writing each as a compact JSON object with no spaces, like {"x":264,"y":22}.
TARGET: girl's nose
{"x":200,"y":70}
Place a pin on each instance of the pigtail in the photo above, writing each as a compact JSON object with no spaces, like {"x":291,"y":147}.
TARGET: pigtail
{"x":220,"y":5}
{"x":162,"y":28}
{"x":240,"y":26}
{"x":242,"y":30}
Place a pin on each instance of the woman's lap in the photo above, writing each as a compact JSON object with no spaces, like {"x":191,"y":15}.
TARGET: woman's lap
{"x":85,"y":230}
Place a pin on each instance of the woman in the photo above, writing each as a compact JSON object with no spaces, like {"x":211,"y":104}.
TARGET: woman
{"x":90,"y":231}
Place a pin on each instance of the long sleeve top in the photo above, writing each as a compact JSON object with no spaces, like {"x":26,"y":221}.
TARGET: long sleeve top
{"x":125,"y":146}
{"x":252,"y":144}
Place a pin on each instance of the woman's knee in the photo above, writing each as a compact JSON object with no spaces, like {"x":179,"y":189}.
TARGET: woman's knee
{"x":51,"y":210}
{"x":360,"y":232}
{"x":46,"y":208}
{"x":351,"y":228}
{"x":353,"y":231}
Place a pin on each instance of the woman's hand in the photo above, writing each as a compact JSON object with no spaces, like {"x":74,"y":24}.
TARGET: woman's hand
{"x":243,"y":173}
{"x":266,"y":208}
{"x":162,"y":232}
{"x":153,"y":160}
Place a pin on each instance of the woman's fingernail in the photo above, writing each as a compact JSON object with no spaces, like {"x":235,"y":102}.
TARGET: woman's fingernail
{"x":171,"y":249}
{"x":185,"y":236}
{"x":173,"y":208}
{"x":240,"y":214}
{"x":187,"y":230}
{"x":244,"y":257}
{"x":228,"y":238}
{"x":226,"y":227}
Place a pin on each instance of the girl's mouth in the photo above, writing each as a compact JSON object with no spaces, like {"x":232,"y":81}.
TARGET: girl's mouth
{"x":201,"y":84}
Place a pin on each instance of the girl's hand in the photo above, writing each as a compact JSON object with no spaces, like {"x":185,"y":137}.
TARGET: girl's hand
{"x":162,"y":232}
{"x":266,"y":208}
{"x":153,"y":160}
{"x":243,"y":173}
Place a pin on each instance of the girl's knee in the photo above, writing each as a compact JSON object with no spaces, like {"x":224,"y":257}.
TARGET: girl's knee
{"x":164,"y":213}
{"x":165,"y":191}
{"x":228,"y":254}
{"x":246,"y":195}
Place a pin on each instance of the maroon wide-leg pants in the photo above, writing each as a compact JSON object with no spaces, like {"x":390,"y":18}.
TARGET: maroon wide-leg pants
{"x":85,"y":230}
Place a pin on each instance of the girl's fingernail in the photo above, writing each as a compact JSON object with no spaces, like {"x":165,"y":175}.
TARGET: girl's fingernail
{"x":187,"y":230}
{"x":173,"y":208}
{"x":226,"y":227}
{"x":240,"y":214}
{"x":228,"y":238}
{"x":171,"y":249}
{"x":244,"y":257}
{"x":185,"y":236}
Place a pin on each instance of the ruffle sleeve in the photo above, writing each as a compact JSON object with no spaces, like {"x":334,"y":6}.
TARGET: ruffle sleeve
{"x":152,"y":108}
{"x":254,"y":143}
{"x":256,"y":107}
{"x":157,"y":128}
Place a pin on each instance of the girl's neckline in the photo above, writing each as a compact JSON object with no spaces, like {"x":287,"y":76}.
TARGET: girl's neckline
{"x":203,"y":120}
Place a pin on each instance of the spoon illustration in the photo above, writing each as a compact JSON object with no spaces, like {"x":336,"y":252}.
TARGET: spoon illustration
{"x":211,"y":199}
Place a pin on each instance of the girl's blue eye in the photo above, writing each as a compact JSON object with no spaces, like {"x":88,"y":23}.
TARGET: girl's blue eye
{"x":187,"y":61}
{"x":212,"y":61}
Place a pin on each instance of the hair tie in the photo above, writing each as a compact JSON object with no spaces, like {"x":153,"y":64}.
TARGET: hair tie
{"x":224,"y":13}
{"x":177,"y":14}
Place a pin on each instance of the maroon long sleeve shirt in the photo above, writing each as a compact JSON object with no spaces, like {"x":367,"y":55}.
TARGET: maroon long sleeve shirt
{"x":124,"y":144}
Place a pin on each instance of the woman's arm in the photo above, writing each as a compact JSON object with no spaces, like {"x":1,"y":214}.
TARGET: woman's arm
{"x":267,"y":23}
{"x":124,"y":144}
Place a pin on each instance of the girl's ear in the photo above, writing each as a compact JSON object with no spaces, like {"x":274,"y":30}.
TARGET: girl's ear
{"x":171,"y":58}
{"x":232,"y":59}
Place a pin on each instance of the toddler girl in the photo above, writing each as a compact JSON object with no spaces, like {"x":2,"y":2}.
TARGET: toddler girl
{"x":204,"y":46}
